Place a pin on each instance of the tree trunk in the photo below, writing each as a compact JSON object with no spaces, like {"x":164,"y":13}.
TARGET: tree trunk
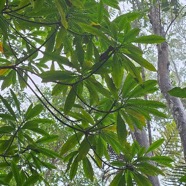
{"x":174,"y":104}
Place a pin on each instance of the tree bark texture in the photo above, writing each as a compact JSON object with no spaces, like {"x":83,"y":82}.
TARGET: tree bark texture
{"x":174,"y":104}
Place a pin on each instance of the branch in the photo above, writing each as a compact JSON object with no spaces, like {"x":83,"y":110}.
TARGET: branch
{"x":52,"y":113}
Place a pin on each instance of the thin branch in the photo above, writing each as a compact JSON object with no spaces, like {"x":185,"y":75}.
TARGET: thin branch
{"x":52,"y":113}
{"x":176,"y":16}
{"x":34,"y":22}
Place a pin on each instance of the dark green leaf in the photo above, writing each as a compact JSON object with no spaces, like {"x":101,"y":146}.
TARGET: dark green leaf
{"x":15,"y":171}
{"x":87,"y":167}
{"x":83,"y":149}
{"x":141,"y":180}
{"x":121,"y":129}
{"x":178,"y":92}
{"x":8,"y":107}
{"x":49,"y":153}
{"x":71,"y":142}
{"x":69,"y":102}
{"x":63,"y":76}
{"x":183,"y":179}
{"x":7,"y":117}
{"x":47,"y":139}
{"x":73,"y":169}
{"x":6,"y":129}
{"x":32,"y":180}
{"x":32,"y":112}
{"x":116,"y":179}
{"x":164,"y":160}
{"x":17,"y":103}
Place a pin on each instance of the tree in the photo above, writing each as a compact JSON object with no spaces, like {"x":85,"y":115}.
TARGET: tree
{"x":92,"y":63}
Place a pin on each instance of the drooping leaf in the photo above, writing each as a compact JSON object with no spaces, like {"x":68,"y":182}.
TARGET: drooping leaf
{"x":88,"y":170}
{"x":149,"y":169}
{"x":8,"y":107}
{"x":15,"y":171}
{"x":141,"y":61}
{"x":60,"y":8}
{"x":70,"y":100}
{"x":73,"y":168}
{"x":121,"y":129}
{"x":17,"y":103}
{"x":49,"y":153}
{"x":83,"y":149}
{"x":141,"y":180}
{"x":71,"y":142}
{"x":116,"y":179}
{"x":32,"y":180}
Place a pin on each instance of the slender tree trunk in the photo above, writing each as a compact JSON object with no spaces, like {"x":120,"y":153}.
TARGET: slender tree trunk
{"x":174,"y":104}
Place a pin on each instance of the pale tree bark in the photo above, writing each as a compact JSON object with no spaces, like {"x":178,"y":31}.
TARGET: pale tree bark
{"x":141,"y":135}
{"x":174,"y":104}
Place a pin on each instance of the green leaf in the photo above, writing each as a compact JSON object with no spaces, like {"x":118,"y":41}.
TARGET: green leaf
{"x":141,"y":180}
{"x":145,"y":103}
{"x":95,"y":31}
{"x":111,"y":139}
{"x":32,"y":112}
{"x":116,"y":179}
{"x":70,"y":100}
{"x":83,"y":149}
{"x":144,"y":88}
{"x":63,"y":76}
{"x":155,"y":145}
{"x":111,"y":85}
{"x":6,"y":129}
{"x":141,"y":61}
{"x":71,"y":142}
{"x":87,"y":117}
{"x":149,"y":169}
{"x":7,"y":117}
{"x":100,"y":11}
{"x":48,"y":165}
{"x":16,"y":101}
{"x":15,"y":171}
{"x":47,"y":139}
{"x":88,"y":170}
{"x":2,"y":3}
{"x":149,"y":39}
{"x":183,"y":179}
{"x":62,"y":13}
{"x":164,"y":160}
{"x":131,"y":35}
{"x":113,"y":3}
{"x":8,"y":107}
{"x":48,"y":153}
{"x":74,"y":168}
{"x":130,"y":67}
{"x":121,"y":129}
{"x":39,"y":131}
{"x":31,"y":180}
{"x":178,"y":92}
